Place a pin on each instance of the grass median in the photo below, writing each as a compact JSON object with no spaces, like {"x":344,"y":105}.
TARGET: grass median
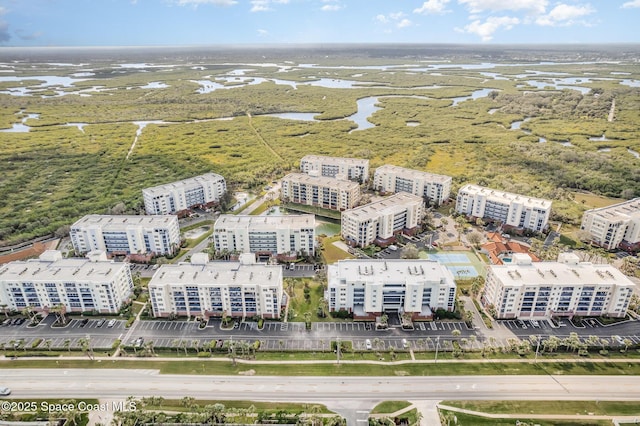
{"x":210,"y":367}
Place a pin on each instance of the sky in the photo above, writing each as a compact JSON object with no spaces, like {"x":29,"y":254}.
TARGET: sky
{"x":247,"y":22}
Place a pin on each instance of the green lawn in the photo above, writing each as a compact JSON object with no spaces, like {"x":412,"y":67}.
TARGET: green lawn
{"x":469,"y":420}
{"x":388,"y":407}
{"x":331,"y":253}
{"x":604,"y":408}
{"x":202,"y":366}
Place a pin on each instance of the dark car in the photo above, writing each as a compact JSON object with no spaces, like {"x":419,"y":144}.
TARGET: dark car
{"x":84,"y":322}
{"x":101,"y":323}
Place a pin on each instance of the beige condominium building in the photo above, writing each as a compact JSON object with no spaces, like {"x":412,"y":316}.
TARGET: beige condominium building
{"x":92,"y":284}
{"x":616,"y":226}
{"x":285,"y":235}
{"x":514,"y":210}
{"x":126,"y":234}
{"x":320,"y":191}
{"x":182,"y":195}
{"x":356,"y":169}
{"x":369,"y":288}
{"x":566,"y":288}
{"x":434,"y":188}
{"x":380,"y":221}
{"x":205,"y":289}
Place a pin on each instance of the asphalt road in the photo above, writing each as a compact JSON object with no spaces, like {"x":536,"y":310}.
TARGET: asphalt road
{"x":116,"y":383}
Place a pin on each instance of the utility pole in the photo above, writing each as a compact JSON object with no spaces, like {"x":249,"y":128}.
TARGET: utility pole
{"x":537,"y":349}
{"x":437,"y":346}
{"x":338,"y":348}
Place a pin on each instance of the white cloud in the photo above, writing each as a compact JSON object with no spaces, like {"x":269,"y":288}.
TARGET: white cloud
{"x":432,"y":7}
{"x":533,"y":6}
{"x":397,"y":19}
{"x":196,"y":3}
{"x":265,"y":5}
{"x":631,"y":4}
{"x":564,"y":14}
{"x":263,"y":33}
{"x":487,"y":28}
{"x":330,"y":7}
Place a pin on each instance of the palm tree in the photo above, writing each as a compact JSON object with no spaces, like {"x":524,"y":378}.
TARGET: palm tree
{"x":5,"y":310}
{"x":188,"y":402}
{"x":627,"y":342}
{"x":456,"y":333}
{"x":47,"y":344}
{"x":176,"y":344}
{"x":67,"y":344}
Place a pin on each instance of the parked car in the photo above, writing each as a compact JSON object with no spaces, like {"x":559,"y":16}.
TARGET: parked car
{"x":139,"y":342}
{"x":101,"y":322}
{"x":367,"y":344}
{"x":5,"y":391}
{"x":111,"y":323}
{"x":84,"y":322}
{"x":405,"y":344}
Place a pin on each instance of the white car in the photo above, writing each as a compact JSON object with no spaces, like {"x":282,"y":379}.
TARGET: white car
{"x":5,"y":391}
{"x":111,"y":323}
{"x":368,"y":345}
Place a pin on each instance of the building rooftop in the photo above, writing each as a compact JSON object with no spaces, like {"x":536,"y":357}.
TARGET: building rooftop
{"x":412,"y":174}
{"x":502,"y":196}
{"x":321,"y":181}
{"x":626,"y":210}
{"x":325,"y":159}
{"x":52,"y":267}
{"x":185,"y":183}
{"x":267,"y":223}
{"x":118,"y":222}
{"x":396,"y":270}
{"x":387,"y":205}
{"x":568,"y":273}
{"x":217,"y":273}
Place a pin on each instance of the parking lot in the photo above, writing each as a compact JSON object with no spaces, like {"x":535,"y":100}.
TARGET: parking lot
{"x":294,"y":335}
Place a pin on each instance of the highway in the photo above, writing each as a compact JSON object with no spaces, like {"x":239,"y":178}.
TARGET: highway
{"x":115,"y":383}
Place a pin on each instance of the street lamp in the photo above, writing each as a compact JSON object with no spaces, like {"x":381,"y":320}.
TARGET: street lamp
{"x":437,"y":346}
{"x":338,"y":349}
{"x":537,"y":349}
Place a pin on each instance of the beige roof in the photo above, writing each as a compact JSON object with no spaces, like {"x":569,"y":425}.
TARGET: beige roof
{"x":412,"y":174}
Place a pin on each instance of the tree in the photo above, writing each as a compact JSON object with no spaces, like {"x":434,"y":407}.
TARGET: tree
{"x":27,"y":311}
{"x":410,"y":251}
{"x":551,"y":344}
{"x":630,"y":265}
{"x":475,"y":238}
{"x":456,"y":333}
{"x":476,"y":286}
{"x":47,"y":344}
{"x":60,"y":311}
{"x":67,"y":344}
{"x":460,"y":223}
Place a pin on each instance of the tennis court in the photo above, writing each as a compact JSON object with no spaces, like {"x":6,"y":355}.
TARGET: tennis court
{"x":450,"y":258}
{"x":461,"y":264}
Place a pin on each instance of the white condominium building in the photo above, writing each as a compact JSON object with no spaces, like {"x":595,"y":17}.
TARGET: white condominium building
{"x":270,"y":235}
{"x":122,"y":235}
{"x":610,"y":226}
{"x":346,"y":168}
{"x":380,"y":221}
{"x":435,"y":188}
{"x":80,"y":285}
{"x":368,"y":288}
{"x":514,"y":210}
{"x":568,"y":287}
{"x":202,"y":288}
{"x":324,"y":192}
{"x":184,"y":194}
